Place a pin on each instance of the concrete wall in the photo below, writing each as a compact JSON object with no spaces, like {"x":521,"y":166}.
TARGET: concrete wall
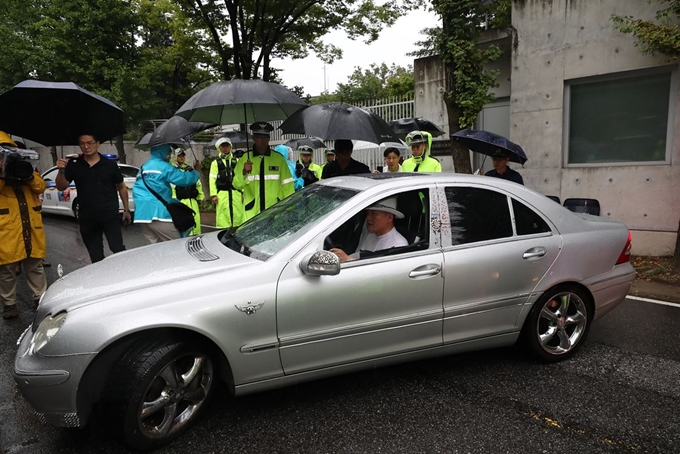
{"x":556,"y":41}
{"x":561,"y":40}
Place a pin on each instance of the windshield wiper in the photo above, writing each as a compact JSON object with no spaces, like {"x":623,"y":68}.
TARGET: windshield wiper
{"x":233,"y":243}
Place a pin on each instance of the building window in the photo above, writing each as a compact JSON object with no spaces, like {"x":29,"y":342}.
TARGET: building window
{"x":619,"y":120}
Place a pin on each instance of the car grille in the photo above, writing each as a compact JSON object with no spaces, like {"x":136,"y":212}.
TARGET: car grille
{"x":196,"y":249}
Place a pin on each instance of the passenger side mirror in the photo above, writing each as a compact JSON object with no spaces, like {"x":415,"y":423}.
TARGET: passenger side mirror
{"x":320,"y":263}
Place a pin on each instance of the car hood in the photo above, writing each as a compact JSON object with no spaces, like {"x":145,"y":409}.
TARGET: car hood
{"x":140,"y":268}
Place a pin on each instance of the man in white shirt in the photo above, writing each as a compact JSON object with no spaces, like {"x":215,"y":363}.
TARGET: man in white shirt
{"x":379,"y":233}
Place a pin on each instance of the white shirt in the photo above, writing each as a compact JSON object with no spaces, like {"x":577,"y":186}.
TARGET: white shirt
{"x":372,"y":242}
{"x":387,"y":169}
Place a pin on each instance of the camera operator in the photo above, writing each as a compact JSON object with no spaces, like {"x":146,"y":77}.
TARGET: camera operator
{"x":22,"y":237}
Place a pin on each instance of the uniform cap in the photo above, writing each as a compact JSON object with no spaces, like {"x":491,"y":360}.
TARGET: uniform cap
{"x":222,"y":140}
{"x":180,"y":151}
{"x":305,"y":149}
{"x":415,"y":137}
{"x":388,"y":205}
{"x":261,"y":128}
{"x":499,"y":153}
{"x":330,"y":151}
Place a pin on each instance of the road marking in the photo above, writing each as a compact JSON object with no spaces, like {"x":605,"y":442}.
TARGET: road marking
{"x":648,"y":300}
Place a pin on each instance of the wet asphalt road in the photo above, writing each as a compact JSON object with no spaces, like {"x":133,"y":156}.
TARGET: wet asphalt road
{"x":620,"y":394}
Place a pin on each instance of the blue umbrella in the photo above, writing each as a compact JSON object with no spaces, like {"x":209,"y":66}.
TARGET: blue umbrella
{"x":486,"y":143}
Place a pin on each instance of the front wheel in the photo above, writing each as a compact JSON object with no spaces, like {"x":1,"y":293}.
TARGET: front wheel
{"x":558,"y":323}
{"x":157,"y":391}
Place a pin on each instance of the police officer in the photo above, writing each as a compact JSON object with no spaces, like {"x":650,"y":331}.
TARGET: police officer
{"x":189,"y":195}
{"x":228,"y":201}
{"x":330,"y":157}
{"x":420,"y":161}
{"x":262,"y":175}
{"x":305,"y":167}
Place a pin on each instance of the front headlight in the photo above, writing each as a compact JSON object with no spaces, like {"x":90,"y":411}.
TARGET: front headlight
{"x":47,"y":329}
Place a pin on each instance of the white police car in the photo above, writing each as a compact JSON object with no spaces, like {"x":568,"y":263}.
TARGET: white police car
{"x":66,"y":202}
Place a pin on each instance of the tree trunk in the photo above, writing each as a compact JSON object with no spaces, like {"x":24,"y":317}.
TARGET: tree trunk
{"x":121,"y":149}
{"x":676,"y":256}
{"x":460,"y":154}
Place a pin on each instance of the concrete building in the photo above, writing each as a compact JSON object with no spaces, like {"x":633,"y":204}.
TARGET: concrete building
{"x":596,"y":117}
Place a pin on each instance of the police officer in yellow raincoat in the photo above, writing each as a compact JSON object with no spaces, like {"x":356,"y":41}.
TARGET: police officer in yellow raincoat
{"x":192,"y":195}
{"x":22,"y":237}
{"x":228,"y":201}
{"x":262,"y":174}
{"x":306,"y":168}
{"x":420,"y":161}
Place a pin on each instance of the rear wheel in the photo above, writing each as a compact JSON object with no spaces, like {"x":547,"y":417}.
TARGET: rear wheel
{"x":157,"y":391}
{"x":558,"y":323}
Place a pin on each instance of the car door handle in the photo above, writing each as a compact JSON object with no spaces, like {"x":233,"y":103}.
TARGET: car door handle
{"x":427,"y":270}
{"x":535,"y":253}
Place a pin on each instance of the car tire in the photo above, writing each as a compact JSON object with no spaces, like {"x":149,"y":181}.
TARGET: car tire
{"x":157,"y":390}
{"x":558,"y":323}
{"x":75,"y":206}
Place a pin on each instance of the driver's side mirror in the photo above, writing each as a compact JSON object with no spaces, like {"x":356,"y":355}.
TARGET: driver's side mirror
{"x":320,"y":263}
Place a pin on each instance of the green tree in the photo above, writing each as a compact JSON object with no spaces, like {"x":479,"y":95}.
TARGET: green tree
{"x":379,"y":81}
{"x":662,"y":36}
{"x":260,"y":30}
{"x":144,"y":55}
{"x":468,"y":83}
{"x":175,"y":60}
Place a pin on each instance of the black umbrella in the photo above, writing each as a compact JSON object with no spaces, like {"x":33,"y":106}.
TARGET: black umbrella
{"x":487,"y":143}
{"x":238,"y":138}
{"x":405,"y":125}
{"x":56,"y":113}
{"x":313,"y":142}
{"x":143,"y":143}
{"x":175,"y":129}
{"x":339,"y":121}
{"x":241,"y":101}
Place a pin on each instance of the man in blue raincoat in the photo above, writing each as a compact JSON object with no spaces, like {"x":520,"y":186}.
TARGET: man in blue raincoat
{"x":159,"y":174}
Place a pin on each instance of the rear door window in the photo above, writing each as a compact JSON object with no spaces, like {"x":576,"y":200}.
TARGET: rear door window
{"x":477,"y":215}
{"x":527,"y":221}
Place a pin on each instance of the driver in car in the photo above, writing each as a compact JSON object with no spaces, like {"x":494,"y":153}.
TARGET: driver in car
{"x":379,"y":232}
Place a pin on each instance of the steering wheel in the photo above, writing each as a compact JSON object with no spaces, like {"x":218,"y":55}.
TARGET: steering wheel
{"x":328,"y":243}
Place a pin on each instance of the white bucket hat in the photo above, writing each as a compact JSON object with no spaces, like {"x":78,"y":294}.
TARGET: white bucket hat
{"x":388,"y":205}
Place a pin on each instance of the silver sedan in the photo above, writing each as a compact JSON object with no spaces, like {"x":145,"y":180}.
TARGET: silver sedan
{"x":144,"y":335}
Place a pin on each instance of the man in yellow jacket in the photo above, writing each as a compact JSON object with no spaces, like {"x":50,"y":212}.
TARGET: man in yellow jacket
{"x":420,"y":161}
{"x":262,"y":174}
{"x":22,"y":237}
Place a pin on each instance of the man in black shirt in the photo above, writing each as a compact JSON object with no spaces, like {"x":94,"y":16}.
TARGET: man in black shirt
{"x":501,"y":170}
{"x":98,"y":182}
{"x":343,"y":164}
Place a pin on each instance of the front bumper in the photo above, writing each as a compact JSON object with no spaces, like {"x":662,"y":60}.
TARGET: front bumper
{"x":50,"y":383}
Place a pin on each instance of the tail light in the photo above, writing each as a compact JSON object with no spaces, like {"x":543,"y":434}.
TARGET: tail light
{"x":625,"y":254}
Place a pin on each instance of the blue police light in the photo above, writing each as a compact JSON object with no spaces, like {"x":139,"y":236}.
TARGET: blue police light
{"x":110,"y":156}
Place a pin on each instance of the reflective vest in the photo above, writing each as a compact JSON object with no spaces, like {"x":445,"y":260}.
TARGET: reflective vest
{"x":427,"y":165}
{"x":269,"y":181}
{"x":229,"y":210}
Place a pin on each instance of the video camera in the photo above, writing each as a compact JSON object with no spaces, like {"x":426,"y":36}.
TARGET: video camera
{"x":17,"y":165}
